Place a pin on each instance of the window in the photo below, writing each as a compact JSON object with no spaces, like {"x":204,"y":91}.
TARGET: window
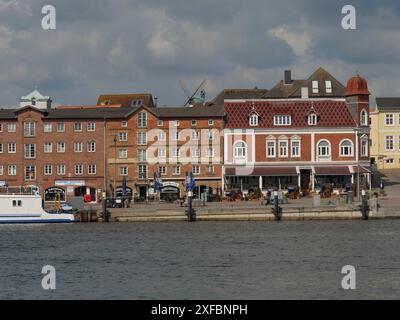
{"x":364,"y":118}
{"x":364,"y":147}
{"x":196,"y":170}
{"x":209,"y":170}
{"x":163,"y":170}
{"x":47,"y":147}
{"x":11,"y":127}
{"x":175,"y":135}
{"x":315,"y":87}
{"x":142,"y":155}
{"x":296,"y":153}
{"x":282,"y":120}
{"x":78,"y":126}
{"x":160,"y":123}
{"x":161,"y":136}
{"x":253,"y":120}
{"x":48,"y":170}
{"x":78,"y":169}
{"x":30,"y":151}
{"x":328,"y":86}
{"x":176,"y":152}
{"x":142,"y":120}
{"x":60,"y":127}
{"x":30,"y":173}
{"x":312,"y":119}
{"x":210,"y":123}
{"x":283,"y":149}
{"x":162,"y":153}
{"x":61,"y":169}
{"x":389,"y":143}
{"x":389,"y":119}
{"x":324,"y":149}
{"x":209,"y":153}
{"x":124,"y":124}
{"x":78,"y":147}
{"x":137,"y":103}
{"x":195,"y":152}
{"x":1,"y":148}
{"x":176,"y":170}
{"x":91,"y":126}
{"x":141,"y":138}
{"x":123,"y":153}
{"x":142,"y":172}
{"x":29,"y":129}
{"x":123,"y":171}
{"x":390,"y":161}
{"x":211,"y":135}
{"x":47,"y":127}
{"x":240,"y":149}
{"x":12,"y":170}
{"x":1,"y":127}
{"x":1,"y":170}
{"x":175,"y":123}
{"x":17,"y":203}
{"x":12,"y":147}
{"x":91,"y":146}
{"x":346,"y":148}
{"x":271,"y":145}
{"x":195,"y":135}
{"x":194,"y":123}
{"x":122,"y":136}
{"x":61,"y":147}
{"x":91,"y":169}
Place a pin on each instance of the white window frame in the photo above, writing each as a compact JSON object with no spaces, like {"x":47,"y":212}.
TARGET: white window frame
{"x":391,"y":141}
{"x":298,"y":148}
{"x":78,"y":127}
{"x":176,"y":170}
{"x":60,"y":127}
{"x":11,"y":127}
{"x":91,"y":146}
{"x":364,"y":117}
{"x":141,"y":138}
{"x":122,"y":136}
{"x":48,"y":170}
{"x":143,"y":174}
{"x":253,"y":120}
{"x":47,"y":127}
{"x":282,"y":120}
{"x":91,"y":126}
{"x":240,"y":152}
{"x":328,"y":86}
{"x":12,"y":147}
{"x":78,"y":169}
{"x":162,"y":152}
{"x":389,"y":119}
{"x":29,"y":151}
{"x":61,"y":150}
{"x":78,"y":147}
{"x":142,"y":155}
{"x":142,"y":119}
{"x":364,"y":148}
{"x":312,"y":119}
{"x":123,"y":171}
{"x":61,"y":169}
{"x":197,"y":171}
{"x":12,"y":170}
{"x":29,"y":129}
{"x":47,"y":147}
{"x":315,"y":86}
{"x":284,"y":147}
{"x":92,"y":169}
{"x":27,"y":178}
{"x":342,"y":146}
{"x":328,"y":154}
{"x":122,"y":153}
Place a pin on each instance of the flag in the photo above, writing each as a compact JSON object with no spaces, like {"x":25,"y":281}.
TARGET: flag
{"x":124,"y":186}
{"x":157,"y":184}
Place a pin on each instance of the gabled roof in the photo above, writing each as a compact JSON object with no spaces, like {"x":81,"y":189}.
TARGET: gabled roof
{"x":388,"y":104}
{"x":125,"y":100}
{"x":332,"y":113}
{"x":35,"y":94}
{"x":227,"y":94}
{"x":293,"y":90}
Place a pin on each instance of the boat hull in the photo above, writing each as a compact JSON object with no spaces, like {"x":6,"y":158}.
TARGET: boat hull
{"x":56,"y":218}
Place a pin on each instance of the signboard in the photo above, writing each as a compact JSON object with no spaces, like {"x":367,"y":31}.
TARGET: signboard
{"x":76,"y":183}
{"x":70,"y":190}
{"x":170,"y":184}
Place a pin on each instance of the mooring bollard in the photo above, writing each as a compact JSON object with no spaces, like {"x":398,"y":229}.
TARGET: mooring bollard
{"x":190,"y":212}
{"x":277,"y":210}
{"x":364,"y":205}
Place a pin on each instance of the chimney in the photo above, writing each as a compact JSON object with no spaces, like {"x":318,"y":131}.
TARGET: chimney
{"x":288,"y":77}
{"x":304,"y":92}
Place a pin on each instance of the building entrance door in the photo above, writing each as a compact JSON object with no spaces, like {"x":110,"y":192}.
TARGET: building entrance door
{"x":305,"y":178}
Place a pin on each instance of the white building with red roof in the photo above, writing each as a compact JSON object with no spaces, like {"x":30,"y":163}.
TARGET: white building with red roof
{"x":306,"y":142}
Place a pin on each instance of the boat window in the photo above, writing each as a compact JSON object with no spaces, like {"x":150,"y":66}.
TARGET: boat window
{"x":17,"y":203}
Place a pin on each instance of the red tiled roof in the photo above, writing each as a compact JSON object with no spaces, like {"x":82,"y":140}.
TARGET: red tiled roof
{"x":331,"y":113}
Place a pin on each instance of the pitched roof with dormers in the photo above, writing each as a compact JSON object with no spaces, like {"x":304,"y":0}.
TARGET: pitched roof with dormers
{"x":331,"y":113}
{"x":127,"y":100}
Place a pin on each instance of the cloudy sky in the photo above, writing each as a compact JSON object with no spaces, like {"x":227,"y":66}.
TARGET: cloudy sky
{"x":120,"y":46}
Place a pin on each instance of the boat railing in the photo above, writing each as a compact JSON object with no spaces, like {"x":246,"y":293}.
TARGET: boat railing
{"x":22,"y":190}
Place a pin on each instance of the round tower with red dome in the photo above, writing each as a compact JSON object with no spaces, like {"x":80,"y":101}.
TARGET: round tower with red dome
{"x":357,"y":100}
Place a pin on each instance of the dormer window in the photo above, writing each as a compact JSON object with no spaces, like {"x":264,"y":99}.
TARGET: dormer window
{"x":312,"y":119}
{"x":282,"y":120}
{"x":253,"y":120}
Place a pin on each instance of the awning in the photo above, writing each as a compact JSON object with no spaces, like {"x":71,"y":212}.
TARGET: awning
{"x":361,"y":169}
{"x":262,"y":171}
{"x":332,"y":171}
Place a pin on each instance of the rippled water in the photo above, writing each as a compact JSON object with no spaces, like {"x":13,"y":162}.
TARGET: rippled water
{"x":205,"y":260}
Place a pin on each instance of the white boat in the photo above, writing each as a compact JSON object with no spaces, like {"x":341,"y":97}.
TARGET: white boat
{"x":24,"y":205}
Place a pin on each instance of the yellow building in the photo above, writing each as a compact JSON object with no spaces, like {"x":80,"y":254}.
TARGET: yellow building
{"x":385,"y":134}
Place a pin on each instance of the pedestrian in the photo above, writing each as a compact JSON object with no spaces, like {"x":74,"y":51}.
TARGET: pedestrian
{"x":382,"y":185}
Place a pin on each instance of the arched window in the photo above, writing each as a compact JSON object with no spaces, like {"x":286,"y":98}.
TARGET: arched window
{"x":240,"y":149}
{"x":324,"y":149}
{"x":346,"y":148}
{"x":364,"y":118}
{"x":312,"y":119}
{"x":253,"y":120}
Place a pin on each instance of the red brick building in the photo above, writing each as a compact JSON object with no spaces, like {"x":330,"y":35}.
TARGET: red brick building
{"x":303,"y":142}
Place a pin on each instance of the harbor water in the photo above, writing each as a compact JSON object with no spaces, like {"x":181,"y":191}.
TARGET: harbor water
{"x":204,"y":260}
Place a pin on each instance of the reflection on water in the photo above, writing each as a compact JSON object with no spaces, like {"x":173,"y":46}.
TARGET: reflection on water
{"x":205,"y":260}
